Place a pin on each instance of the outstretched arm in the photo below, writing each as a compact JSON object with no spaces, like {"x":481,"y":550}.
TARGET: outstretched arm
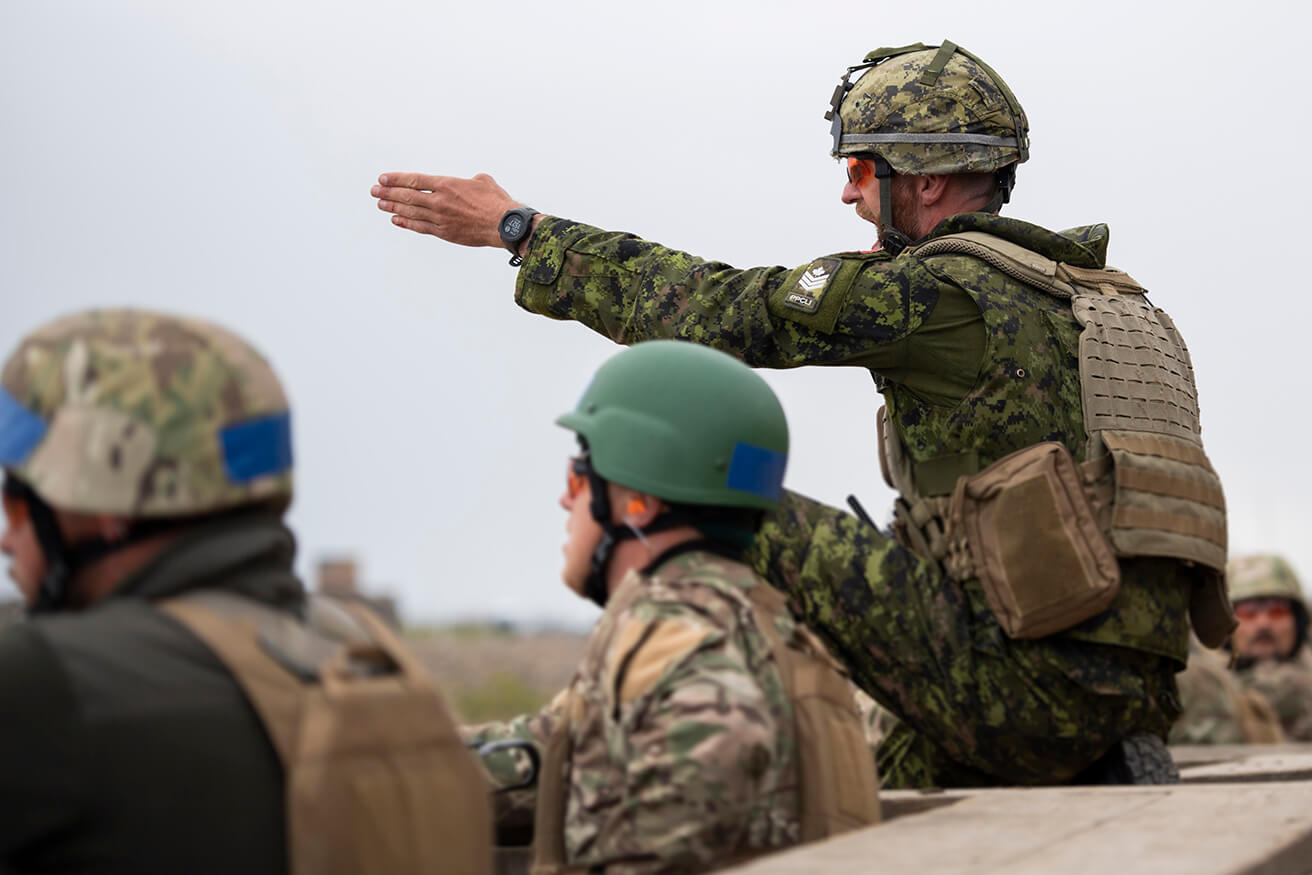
{"x":850,"y":308}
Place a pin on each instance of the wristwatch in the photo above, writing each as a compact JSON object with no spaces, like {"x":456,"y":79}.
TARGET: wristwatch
{"x":516,"y":224}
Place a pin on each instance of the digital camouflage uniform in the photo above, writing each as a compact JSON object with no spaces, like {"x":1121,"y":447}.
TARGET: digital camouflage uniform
{"x":682,"y":732}
{"x":981,"y":367}
{"x":1217,"y":708}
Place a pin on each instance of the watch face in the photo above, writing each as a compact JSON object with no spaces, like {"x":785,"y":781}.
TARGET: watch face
{"x":513,"y":227}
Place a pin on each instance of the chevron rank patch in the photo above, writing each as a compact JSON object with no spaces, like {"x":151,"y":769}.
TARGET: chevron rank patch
{"x":805,"y":295}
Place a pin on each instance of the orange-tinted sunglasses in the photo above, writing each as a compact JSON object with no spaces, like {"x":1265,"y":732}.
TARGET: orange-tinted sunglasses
{"x":856,"y":171}
{"x":576,"y":476}
{"x":1275,"y":608}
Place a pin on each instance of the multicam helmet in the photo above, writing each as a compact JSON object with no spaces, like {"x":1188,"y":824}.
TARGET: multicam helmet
{"x":923,"y":110}
{"x":1252,"y":577}
{"x":143,"y":415}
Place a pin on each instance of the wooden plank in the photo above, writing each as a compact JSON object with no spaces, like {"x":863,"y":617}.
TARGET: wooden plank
{"x":1204,"y":829}
{"x":1256,"y":766}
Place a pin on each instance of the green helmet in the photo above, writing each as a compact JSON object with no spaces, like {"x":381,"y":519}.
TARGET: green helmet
{"x":143,"y":415}
{"x":684,"y":423}
{"x":1251,"y":577}
{"x":929,"y":110}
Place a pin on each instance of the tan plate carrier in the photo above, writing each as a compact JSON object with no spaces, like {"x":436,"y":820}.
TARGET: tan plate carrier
{"x":837,"y":784}
{"x":1041,"y":533}
{"x":377,"y":779}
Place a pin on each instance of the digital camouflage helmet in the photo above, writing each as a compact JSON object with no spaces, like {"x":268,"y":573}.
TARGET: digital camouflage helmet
{"x":926,"y":110}
{"x":687,"y":424}
{"x":141,"y":415}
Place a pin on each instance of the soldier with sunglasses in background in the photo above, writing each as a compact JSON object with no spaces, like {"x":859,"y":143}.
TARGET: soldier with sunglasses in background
{"x":1271,"y":650}
{"x":1058,"y":524}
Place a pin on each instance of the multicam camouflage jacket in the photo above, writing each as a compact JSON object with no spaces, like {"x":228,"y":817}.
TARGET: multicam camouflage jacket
{"x":972,"y":364}
{"x":682,"y":732}
{"x":1287,"y":684}
{"x":1217,"y":707}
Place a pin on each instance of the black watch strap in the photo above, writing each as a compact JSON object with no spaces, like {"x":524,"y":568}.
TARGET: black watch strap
{"x":516,"y":224}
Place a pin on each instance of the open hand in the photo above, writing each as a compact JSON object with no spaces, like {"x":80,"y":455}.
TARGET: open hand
{"x":464,"y":211}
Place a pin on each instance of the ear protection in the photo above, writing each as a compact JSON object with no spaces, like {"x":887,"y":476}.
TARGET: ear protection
{"x":636,"y":506}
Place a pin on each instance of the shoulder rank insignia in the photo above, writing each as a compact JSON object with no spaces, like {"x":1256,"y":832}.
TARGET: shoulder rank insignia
{"x":805,"y":295}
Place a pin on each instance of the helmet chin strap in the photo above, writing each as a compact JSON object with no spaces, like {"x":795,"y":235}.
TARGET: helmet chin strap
{"x":1006,"y":180}
{"x":596,"y":587}
{"x":891,"y":239}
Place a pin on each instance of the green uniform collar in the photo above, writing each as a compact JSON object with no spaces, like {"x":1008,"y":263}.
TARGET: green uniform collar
{"x":1084,"y":246}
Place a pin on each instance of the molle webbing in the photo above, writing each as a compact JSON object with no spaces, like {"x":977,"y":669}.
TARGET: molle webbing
{"x":1168,"y":499}
{"x":1135,"y":371}
{"x":376,"y":776}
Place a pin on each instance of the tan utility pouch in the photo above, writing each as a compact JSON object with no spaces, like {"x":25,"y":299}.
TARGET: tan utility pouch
{"x":1036,"y":548}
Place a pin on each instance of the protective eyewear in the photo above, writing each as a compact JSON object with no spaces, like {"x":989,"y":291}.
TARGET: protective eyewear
{"x":1274,"y":608}
{"x":576,"y":475}
{"x":857,"y":171}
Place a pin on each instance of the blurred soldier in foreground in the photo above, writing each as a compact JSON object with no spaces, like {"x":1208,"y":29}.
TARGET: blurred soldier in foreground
{"x":1058,"y":521}
{"x":156,"y":702}
{"x":682,"y":743}
{"x":1217,"y":707}
{"x":1271,"y":650}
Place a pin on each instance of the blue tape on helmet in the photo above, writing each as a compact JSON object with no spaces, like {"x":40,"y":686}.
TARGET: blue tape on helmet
{"x":257,"y":448}
{"x":757,"y":470}
{"x":20,"y":430}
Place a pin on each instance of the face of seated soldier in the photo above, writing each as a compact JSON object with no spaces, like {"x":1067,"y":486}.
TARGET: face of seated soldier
{"x":1266,"y":629}
{"x":583,"y":533}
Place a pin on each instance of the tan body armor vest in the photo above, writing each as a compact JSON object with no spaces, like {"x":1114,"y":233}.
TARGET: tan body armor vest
{"x":376,"y":776}
{"x":1042,"y":533}
{"x":838,"y":789}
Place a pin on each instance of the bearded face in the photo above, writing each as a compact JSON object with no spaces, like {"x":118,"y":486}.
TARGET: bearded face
{"x":1268,"y":629}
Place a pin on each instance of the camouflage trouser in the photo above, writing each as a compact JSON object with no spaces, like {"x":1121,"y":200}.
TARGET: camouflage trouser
{"x":976,"y":707}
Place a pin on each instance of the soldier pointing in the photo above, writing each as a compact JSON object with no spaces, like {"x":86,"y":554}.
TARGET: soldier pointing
{"x":1058,"y":521}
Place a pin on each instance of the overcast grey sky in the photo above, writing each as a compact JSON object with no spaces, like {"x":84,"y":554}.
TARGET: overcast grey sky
{"x":215,"y":159}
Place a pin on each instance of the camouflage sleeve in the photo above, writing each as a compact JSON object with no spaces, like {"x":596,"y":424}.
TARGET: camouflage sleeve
{"x":509,"y":768}
{"x":514,"y":810}
{"x":850,"y":308}
{"x":689,"y":714}
{"x":1288,"y":687}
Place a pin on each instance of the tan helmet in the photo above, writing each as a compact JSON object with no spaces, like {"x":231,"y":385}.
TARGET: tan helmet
{"x":922,"y":110}
{"x":1266,"y":576}
{"x":143,"y":414}
{"x":146,"y":416}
